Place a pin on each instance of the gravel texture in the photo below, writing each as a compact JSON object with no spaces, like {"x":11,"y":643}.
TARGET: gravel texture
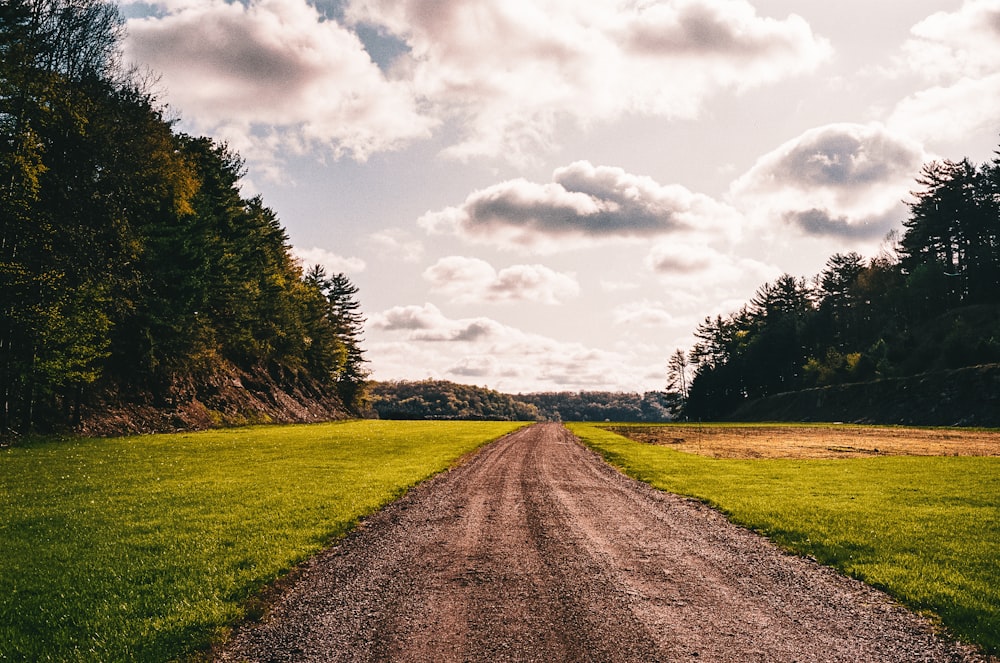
{"x":535,"y":550}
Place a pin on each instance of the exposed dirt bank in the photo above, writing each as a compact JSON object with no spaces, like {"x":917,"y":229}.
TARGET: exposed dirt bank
{"x":535,"y":550}
{"x":228,"y":396}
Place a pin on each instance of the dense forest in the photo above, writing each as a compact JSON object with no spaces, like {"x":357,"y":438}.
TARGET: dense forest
{"x":131,"y":263}
{"x":929,"y":300}
{"x":129,"y":260}
{"x":603,"y":406}
{"x":440,"y":399}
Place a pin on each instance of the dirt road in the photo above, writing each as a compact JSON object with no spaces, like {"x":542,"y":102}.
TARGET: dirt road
{"x":535,"y":550}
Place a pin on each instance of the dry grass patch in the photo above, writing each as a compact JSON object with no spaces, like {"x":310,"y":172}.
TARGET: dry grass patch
{"x":743,"y":441}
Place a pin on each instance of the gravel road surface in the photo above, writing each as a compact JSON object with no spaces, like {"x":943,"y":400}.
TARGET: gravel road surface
{"x":535,"y":550}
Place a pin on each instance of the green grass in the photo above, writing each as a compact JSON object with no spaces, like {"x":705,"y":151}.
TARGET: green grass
{"x":146,"y":548}
{"x":925,"y":529}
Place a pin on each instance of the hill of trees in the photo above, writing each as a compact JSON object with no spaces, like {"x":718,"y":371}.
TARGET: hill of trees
{"x":603,"y":406}
{"x":928,"y":301}
{"x":440,"y":399}
{"x":130,"y":263}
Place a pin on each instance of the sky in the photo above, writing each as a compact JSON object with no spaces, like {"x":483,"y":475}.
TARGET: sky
{"x":551,"y":195}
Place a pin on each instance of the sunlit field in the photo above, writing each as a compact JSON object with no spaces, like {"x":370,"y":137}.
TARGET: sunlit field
{"x":924,"y":528}
{"x":146,"y":548}
{"x":729,"y":440}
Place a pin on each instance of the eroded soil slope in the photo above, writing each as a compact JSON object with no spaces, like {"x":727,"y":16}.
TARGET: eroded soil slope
{"x":535,"y":550}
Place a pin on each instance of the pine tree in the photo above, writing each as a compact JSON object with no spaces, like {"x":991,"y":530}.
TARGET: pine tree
{"x":349,"y":322}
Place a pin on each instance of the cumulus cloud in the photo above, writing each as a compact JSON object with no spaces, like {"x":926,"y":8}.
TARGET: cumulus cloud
{"x":674,"y":258}
{"x":332,"y":262}
{"x":273,"y":75}
{"x":511,"y":71}
{"x":416,"y":342}
{"x":397,"y":243}
{"x":844,"y":180}
{"x":959,"y":52}
{"x":696,"y":273}
{"x":645,"y":313}
{"x":427,"y":323}
{"x":959,"y":44}
{"x":970,"y":106}
{"x":472,"y":280}
{"x":583,"y":203}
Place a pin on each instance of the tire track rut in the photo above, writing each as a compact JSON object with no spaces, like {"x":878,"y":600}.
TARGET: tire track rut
{"x":535,"y":550}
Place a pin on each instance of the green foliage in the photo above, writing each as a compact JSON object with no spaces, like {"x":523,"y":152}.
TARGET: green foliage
{"x":925,"y":529}
{"x":857,"y":321}
{"x":146,"y":548}
{"x":837,"y":368}
{"x":439,"y":399}
{"x":336,"y":330}
{"x":603,"y":405}
{"x":127,"y":253}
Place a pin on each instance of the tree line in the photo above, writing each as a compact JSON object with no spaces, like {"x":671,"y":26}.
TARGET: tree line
{"x":441,"y":399}
{"x":928,"y":300}
{"x":128,"y":254}
{"x":603,"y":406}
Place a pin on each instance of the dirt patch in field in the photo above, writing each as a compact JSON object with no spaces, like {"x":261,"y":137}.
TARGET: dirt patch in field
{"x":834,"y":441}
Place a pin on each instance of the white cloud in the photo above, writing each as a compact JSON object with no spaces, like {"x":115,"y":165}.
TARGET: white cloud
{"x":511,"y":71}
{"x":273,"y":75}
{"x":583,"y":204}
{"x":953,"y":45}
{"x":695,"y":274}
{"x":472,"y":280}
{"x":674,"y":258}
{"x":428,"y":324}
{"x":332,"y":262}
{"x":959,"y":52}
{"x":645,"y":313}
{"x":416,"y":342}
{"x":397,"y":243}
{"x":844,"y":180}
{"x":968,"y":107}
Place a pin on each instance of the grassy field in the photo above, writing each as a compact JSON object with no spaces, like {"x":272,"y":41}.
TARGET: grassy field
{"x":926,"y":529}
{"x":145,"y":548}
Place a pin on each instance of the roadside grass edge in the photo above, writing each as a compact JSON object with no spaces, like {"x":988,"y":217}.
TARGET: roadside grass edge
{"x":924,"y":530}
{"x":151,"y":548}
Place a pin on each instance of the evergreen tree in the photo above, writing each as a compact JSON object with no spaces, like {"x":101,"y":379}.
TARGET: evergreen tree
{"x":128,"y":256}
{"x":677,"y":378}
{"x":59,"y":239}
{"x":349,"y":324}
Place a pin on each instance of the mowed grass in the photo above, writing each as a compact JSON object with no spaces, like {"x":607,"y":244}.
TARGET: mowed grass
{"x":146,"y":548}
{"x":925,"y":529}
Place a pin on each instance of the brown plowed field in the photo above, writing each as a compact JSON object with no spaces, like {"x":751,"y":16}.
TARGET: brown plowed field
{"x":823,"y":441}
{"x":535,"y":550}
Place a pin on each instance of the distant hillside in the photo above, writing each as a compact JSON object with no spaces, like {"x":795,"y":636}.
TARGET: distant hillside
{"x":603,"y":406}
{"x":440,"y":399}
